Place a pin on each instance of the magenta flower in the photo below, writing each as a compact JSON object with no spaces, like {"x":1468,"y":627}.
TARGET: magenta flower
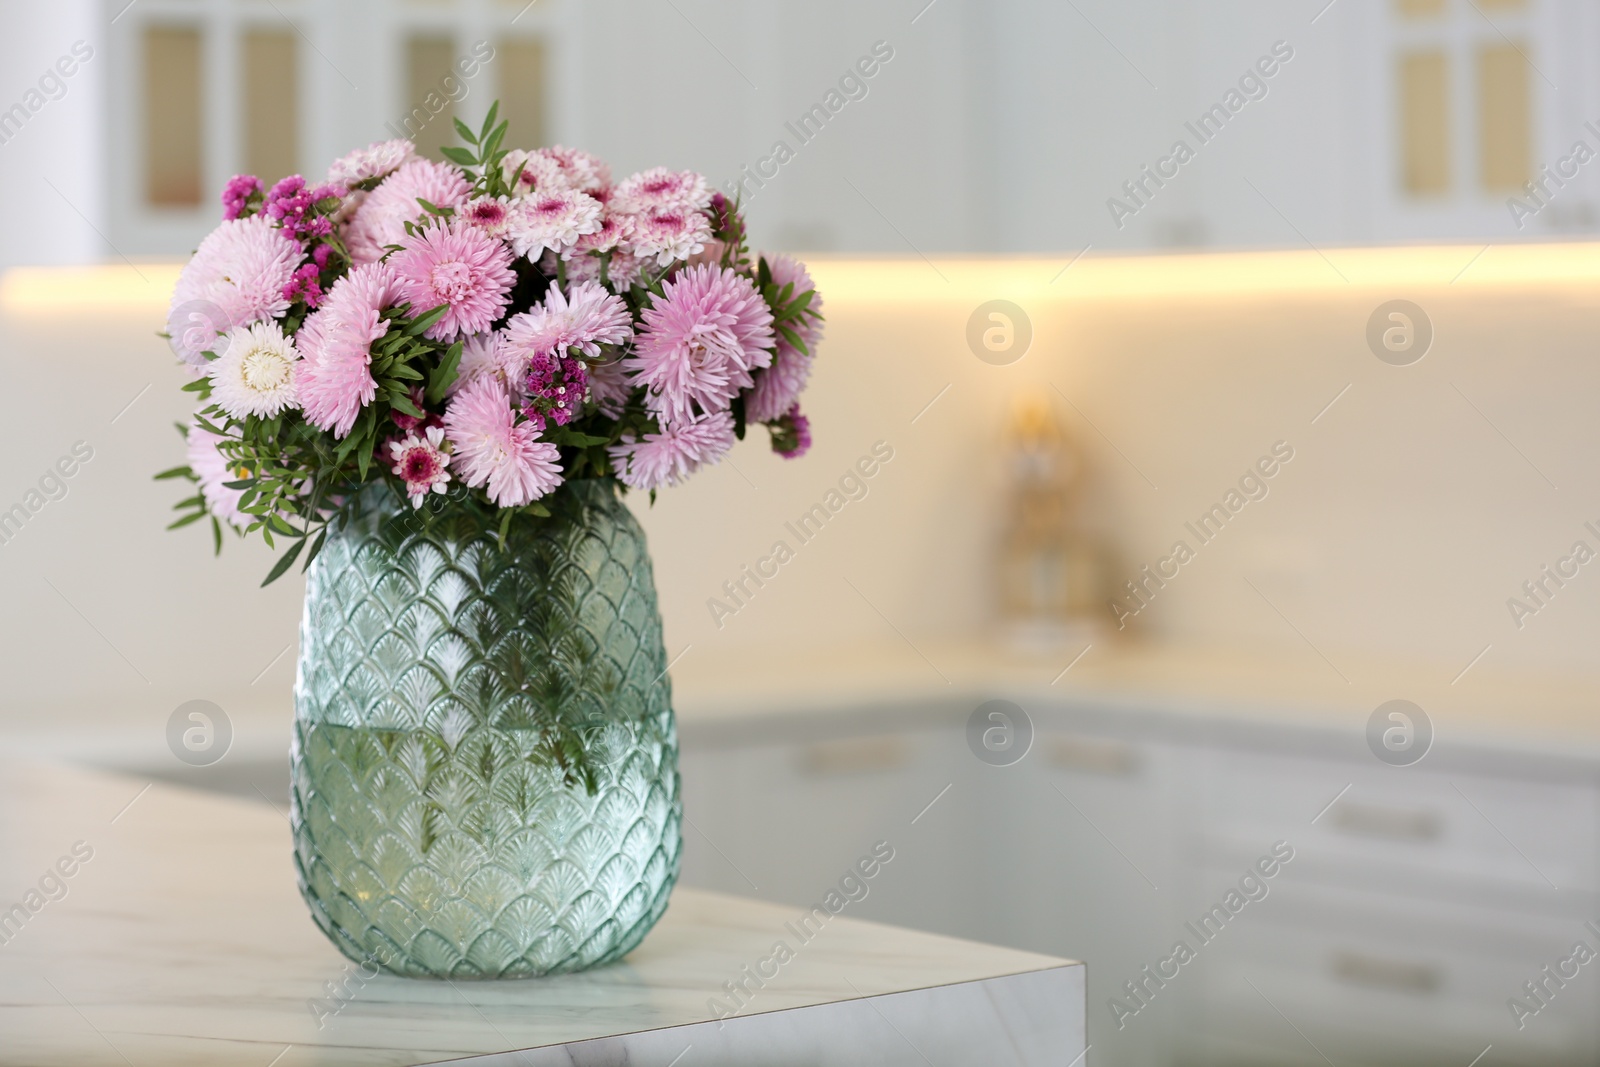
{"x":294,"y":205}
{"x":792,"y":434}
{"x":459,"y":267}
{"x":700,"y":342}
{"x":422,"y":463}
{"x":238,"y":193}
{"x":668,"y":457}
{"x":491,"y":448}
{"x":334,"y":376}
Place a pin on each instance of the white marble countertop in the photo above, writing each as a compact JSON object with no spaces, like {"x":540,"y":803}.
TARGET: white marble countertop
{"x":181,"y":940}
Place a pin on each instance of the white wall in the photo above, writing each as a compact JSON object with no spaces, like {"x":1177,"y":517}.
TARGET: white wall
{"x":1399,"y":530}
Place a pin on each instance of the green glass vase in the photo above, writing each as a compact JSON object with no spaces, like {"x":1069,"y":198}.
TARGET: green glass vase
{"x":485,"y":763}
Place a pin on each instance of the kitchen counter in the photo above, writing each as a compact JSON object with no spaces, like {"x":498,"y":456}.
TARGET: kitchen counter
{"x":179,"y":938}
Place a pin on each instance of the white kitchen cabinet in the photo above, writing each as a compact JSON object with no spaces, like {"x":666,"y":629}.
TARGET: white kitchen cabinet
{"x":1416,"y":904}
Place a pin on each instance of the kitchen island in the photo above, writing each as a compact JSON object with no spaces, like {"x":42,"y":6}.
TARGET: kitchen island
{"x":149,"y":924}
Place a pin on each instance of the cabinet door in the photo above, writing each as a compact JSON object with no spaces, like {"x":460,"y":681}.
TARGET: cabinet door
{"x":1085,"y":855}
{"x":790,"y":820}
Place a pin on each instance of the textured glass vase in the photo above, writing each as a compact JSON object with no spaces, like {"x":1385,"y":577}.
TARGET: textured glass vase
{"x":485,"y":766}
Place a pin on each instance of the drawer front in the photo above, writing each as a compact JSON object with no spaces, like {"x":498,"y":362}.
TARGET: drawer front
{"x":1371,"y":979}
{"x":1457,"y":833}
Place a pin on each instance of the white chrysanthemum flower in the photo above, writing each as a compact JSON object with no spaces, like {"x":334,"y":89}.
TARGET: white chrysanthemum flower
{"x":552,"y":220}
{"x":254,"y":375}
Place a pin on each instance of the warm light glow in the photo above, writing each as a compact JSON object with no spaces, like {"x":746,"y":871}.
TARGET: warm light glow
{"x":1396,"y":269}
{"x":146,"y":287}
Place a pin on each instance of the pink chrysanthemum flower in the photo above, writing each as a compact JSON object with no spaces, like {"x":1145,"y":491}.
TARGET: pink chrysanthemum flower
{"x":459,"y":267}
{"x":334,"y":376}
{"x":586,"y":319}
{"x":577,"y":168}
{"x":492,"y":449}
{"x":422,"y":463}
{"x":779,"y":386}
{"x":236,"y":277}
{"x":668,"y":457}
{"x":211,"y":467}
{"x":669,"y":234}
{"x":490,"y":214}
{"x":480,"y":355}
{"x":609,"y":387}
{"x":553,"y":220}
{"x":381,"y":219}
{"x":660,"y":188}
{"x":378,"y":160}
{"x":700,"y":342}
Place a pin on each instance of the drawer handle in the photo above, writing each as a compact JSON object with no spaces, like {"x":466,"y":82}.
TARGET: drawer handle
{"x":1374,"y":972}
{"x":1399,"y":824}
{"x":853,"y":756}
{"x":1092,"y":755}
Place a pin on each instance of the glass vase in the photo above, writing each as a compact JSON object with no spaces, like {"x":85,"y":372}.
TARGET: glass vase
{"x":485,"y":763}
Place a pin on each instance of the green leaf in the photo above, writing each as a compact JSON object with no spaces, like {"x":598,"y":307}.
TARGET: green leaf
{"x":465,"y":131}
{"x":186,"y":520}
{"x":285,"y":561}
{"x":316,"y":546}
{"x":505,"y":524}
{"x":402,"y":402}
{"x":216,"y":536}
{"x":443,"y":375}
{"x":794,"y":339}
{"x":175,"y":472}
{"x":488,"y":121}
{"x":420,"y":324}
{"x":459,"y":156}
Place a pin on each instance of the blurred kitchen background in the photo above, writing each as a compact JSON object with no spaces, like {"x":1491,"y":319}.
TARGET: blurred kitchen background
{"x":1339,"y":346}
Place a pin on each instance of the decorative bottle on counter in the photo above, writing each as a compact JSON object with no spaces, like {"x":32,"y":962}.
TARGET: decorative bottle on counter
{"x":485,"y":764}
{"x":1050,"y":572}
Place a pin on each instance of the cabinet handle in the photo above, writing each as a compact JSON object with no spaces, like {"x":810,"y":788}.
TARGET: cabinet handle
{"x":853,"y":756}
{"x":1092,"y":755}
{"x":1375,"y":972}
{"x":1400,"y":824}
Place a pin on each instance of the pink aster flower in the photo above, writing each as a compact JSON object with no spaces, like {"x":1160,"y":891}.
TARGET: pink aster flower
{"x":491,"y":448}
{"x":422,"y":463}
{"x":235,"y":277}
{"x":779,"y":386}
{"x":211,"y":467}
{"x":238,"y":193}
{"x":659,"y":188}
{"x":585,"y":320}
{"x":609,"y":387}
{"x":378,"y":160}
{"x":480,"y":355}
{"x":700,"y":342}
{"x":668,"y":234}
{"x":334,"y":377}
{"x":553,"y":220}
{"x":668,"y":457}
{"x":381,"y":219}
{"x":459,"y":267}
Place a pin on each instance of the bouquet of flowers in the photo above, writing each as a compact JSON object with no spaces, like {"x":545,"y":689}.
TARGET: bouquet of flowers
{"x":497,"y":323}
